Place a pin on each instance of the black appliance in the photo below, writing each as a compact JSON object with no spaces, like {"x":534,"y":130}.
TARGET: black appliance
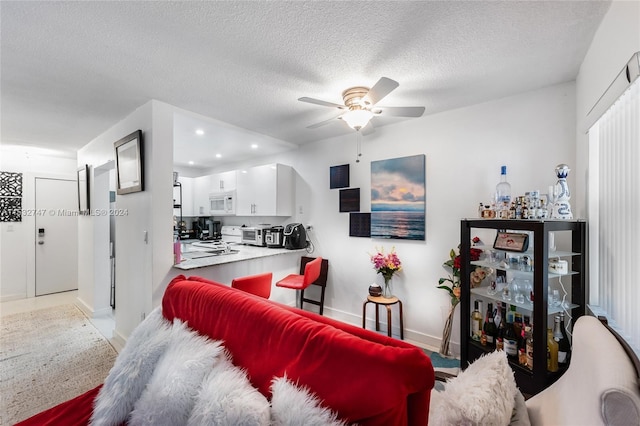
{"x":274,"y":236}
{"x":208,"y":229}
{"x":295,"y":237}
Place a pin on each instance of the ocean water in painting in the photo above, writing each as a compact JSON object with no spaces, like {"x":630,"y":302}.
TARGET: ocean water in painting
{"x":398,"y":224}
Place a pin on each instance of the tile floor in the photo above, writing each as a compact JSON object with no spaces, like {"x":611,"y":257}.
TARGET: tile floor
{"x":105,"y":324}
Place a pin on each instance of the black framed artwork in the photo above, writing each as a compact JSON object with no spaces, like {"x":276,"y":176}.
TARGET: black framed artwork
{"x":350,"y":200}
{"x":129,"y":164}
{"x":360,"y":225}
{"x":83,"y":189}
{"x":339,"y":176}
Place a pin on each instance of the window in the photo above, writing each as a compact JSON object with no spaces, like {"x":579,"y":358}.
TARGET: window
{"x":614,"y":215}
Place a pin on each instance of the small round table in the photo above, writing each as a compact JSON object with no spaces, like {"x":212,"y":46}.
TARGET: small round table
{"x":387,"y":302}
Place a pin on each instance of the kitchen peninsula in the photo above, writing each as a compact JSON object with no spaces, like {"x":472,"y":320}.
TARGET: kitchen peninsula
{"x":240,"y":260}
{"x":196,"y":255}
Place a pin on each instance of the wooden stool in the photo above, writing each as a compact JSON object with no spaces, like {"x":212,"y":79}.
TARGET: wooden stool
{"x":379,"y":300}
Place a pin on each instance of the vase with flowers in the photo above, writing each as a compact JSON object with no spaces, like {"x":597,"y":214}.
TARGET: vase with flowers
{"x":451,"y":283}
{"x":386,"y":265}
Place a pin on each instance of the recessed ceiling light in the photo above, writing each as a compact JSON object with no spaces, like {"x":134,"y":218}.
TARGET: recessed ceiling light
{"x":254,"y":145}
{"x":218,"y":155}
{"x":191,"y":163}
{"x":199,"y":132}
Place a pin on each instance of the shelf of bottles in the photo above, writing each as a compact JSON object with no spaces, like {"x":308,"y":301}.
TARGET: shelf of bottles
{"x":526,"y":298}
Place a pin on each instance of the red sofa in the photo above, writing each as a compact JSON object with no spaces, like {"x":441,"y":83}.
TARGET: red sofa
{"x":364,"y":377}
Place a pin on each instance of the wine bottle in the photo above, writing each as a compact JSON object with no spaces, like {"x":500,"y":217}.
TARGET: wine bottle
{"x":476,"y":320}
{"x":552,"y":352}
{"x":503,"y":188}
{"x":489,"y":327}
{"x":510,"y":341}
{"x":560,"y":336}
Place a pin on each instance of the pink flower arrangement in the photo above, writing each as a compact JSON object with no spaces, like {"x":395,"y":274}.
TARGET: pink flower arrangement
{"x":387,"y":265}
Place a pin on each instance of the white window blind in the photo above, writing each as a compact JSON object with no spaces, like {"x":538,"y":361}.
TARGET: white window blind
{"x":614,"y":215}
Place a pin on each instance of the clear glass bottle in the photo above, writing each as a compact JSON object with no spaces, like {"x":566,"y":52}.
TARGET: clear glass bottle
{"x":529,"y":349}
{"x":476,"y":320}
{"x":503,"y":188}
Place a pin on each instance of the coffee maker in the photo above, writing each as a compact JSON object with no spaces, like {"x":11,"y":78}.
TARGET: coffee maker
{"x":207,"y":229}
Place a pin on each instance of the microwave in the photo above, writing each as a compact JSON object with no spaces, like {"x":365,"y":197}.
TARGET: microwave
{"x":254,"y":235}
{"x":222,"y":203}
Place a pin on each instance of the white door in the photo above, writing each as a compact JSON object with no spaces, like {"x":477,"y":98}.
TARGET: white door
{"x":56,"y":236}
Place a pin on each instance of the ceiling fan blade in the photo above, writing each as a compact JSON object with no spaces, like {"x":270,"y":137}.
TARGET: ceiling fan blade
{"x":321,"y":102}
{"x":322,"y":123}
{"x":382,"y":88}
{"x":400,"y":111}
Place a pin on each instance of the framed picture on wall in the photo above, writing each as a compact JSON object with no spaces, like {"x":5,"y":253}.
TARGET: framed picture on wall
{"x":83,"y":189}
{"x":129,"y":164}
{"x":339,"y":176}
{"x":350,"y":200}
{"x":398,"y":198}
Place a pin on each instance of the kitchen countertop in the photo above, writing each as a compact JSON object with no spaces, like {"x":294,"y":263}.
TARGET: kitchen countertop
{"x":244,"y":252}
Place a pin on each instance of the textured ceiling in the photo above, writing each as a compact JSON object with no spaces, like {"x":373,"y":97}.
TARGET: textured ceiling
{"x":70,"y":70}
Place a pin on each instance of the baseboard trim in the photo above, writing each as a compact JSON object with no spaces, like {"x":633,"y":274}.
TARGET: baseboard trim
{"x":118,"y":341}
{"x":13,"y":297}
{"x":416,"y":338}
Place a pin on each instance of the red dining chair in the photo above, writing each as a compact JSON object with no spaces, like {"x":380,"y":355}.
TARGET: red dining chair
{"x":301,"y":282}
{"x":259,"y":284}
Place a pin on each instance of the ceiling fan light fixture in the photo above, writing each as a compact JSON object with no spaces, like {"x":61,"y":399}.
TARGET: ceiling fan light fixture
{"x":357,"y":118}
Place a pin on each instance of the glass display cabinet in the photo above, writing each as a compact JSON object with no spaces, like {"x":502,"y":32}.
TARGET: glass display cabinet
{"x":544,"y":280}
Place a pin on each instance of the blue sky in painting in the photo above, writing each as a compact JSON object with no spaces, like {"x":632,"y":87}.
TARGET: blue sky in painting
{"x":398,"y":184}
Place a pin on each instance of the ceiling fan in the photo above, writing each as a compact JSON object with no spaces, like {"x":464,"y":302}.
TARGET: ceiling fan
{"x":360,"y":105}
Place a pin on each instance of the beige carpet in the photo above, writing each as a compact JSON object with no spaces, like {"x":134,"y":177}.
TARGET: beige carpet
{"x":48,"y":356}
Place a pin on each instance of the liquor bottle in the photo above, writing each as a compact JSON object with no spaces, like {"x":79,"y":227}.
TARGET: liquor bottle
{"x":552,"y":352}
{"x":511,"y":314}
{"x":510,"y":341}
{"x":529,"y":350}
{"x":480,"y":209}
{"x":560,"y":336}
{"x":498,"y":316}
{"x":503,"y":188}
{"x":523,"y":350}
{"x":489,"y":328}
{"x":476,"y":320}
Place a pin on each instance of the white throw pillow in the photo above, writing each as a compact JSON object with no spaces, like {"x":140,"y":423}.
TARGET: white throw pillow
{"x":170,"y":394}
{"x":294,"y":406}
{"x":483,"y":394}
{"x":132,"y":370}
{"x":226,"y":398}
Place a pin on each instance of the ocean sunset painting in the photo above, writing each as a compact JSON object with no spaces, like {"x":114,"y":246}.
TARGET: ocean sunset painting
{"x":398,"y":198}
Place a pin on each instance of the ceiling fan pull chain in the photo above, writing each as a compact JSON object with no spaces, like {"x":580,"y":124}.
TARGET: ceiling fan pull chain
{"x":358,"y":146}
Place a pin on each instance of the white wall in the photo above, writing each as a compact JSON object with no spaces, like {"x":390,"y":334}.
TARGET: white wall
{"x":143,"y":233}
{"x":617,"y":38}
{"x":17,"y":239}
{"x":531,"y":133}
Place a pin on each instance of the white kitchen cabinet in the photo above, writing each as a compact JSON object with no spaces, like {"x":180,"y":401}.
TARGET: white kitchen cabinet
{"x":201,"y":191}
{"x":223,"y":182}
{"x":265,"y":191}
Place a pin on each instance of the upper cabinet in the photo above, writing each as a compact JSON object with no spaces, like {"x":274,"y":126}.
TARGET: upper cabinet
{"x":223,"y":182}
{"x":265,"y":191}
{"x":201,"y":191}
